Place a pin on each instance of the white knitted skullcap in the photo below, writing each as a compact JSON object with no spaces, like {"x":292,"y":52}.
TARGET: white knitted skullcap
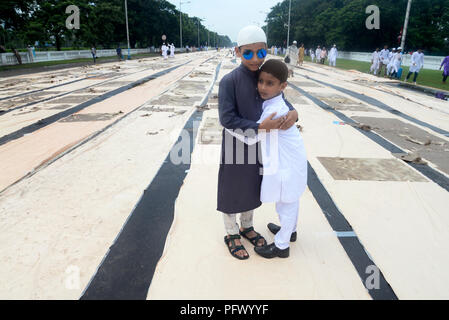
{"x":251,"y":34}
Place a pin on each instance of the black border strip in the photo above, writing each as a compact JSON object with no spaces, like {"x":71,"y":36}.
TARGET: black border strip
{"x":128,"y":268}
{"x":54,"y":118}
{"x":432,"y":174}
{"x":352,"y":245}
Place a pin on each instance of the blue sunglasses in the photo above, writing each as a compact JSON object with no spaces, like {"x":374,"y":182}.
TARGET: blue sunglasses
{"x":249,"y":54}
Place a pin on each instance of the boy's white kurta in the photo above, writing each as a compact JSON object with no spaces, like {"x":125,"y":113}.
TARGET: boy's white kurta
{"x":417,"y":62}
{"x":283,"y":156}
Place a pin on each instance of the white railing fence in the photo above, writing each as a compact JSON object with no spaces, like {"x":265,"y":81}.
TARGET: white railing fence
{"x":10,"y":58}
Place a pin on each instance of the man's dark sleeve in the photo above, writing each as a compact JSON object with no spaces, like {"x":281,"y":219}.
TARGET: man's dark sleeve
{"x":227,"y":110}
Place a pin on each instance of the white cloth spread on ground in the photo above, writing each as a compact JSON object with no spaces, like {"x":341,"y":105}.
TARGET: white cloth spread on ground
{"x":283,"y":156}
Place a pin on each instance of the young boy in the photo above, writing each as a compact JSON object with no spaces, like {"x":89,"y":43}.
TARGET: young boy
{"x":240,"y":107}
{"x":284,"y":160}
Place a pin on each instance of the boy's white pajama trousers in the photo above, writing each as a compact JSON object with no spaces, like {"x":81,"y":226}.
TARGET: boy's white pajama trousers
{"x":288,"y":217}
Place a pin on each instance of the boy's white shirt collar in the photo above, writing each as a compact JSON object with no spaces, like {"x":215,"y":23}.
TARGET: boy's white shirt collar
{"x":275,"y":99}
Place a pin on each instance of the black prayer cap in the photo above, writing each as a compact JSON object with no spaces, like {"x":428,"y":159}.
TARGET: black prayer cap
{"x":276,"y":68}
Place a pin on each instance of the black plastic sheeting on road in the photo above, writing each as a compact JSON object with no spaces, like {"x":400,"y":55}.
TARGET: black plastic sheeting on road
{"x":128,"y":268}
{"x":49,"y":120}
{"x":426,"y":170}
{"x":357,"y":254}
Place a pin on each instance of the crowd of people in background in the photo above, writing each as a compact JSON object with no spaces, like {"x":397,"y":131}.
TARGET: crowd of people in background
{"x":389,"y":63}
{"x":318,"y":55}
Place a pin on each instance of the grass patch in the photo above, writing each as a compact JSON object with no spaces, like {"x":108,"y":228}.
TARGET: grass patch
{"x":426,"y":77}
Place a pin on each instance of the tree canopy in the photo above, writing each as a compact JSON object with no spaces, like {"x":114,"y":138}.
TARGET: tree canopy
{"x":342,"y":22}
{"x":102,"y":23}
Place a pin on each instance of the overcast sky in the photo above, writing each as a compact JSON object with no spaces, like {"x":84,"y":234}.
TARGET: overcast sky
{"x":227,"y":17}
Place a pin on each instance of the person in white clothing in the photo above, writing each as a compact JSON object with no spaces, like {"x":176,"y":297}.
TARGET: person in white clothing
{"x":164,"y":50}
{"x":284,"y":160}
{"x":312,"y":55}
{"x":390,"y":65}
{"x":275,"y":51}
{"x":375,"y":59}
{"x":333,"y":54}
{"x":292,"y":53}
{"x":416,"y":64}
{"x":383,"y":63}
{"x":318,"y":54}
{"x":172,"y":50}
{"x":396,"y":61}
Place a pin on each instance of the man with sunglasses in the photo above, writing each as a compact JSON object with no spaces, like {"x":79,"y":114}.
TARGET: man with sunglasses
{"x":240,"y":107}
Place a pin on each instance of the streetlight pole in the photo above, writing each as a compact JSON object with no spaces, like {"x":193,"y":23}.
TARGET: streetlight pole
{"x":404,"y":34}
{"x":199,"y":19}
{"x":127,"y":30}
{"x":180,"y":23}
{"x":288,"y":32}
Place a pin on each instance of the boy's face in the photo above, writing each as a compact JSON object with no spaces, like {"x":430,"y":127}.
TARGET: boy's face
{"x":255,"y":62}
{"x":269,"y":86}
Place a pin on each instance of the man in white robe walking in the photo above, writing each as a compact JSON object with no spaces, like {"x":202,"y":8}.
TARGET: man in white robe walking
{"x":164,"y":50}
{"x":416,"y":65}
{"x":375,"y":62}
{"x":172,"y":50}
{"x":318,"y":54}
{"x":383,"y":63}
{"x":293,"y":53}
{"x":333,"y":54}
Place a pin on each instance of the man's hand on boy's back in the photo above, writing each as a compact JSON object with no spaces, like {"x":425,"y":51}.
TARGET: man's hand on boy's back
{"x":283,"y":123}
{"x":290,"y":119}
{"x":270,"y":124}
